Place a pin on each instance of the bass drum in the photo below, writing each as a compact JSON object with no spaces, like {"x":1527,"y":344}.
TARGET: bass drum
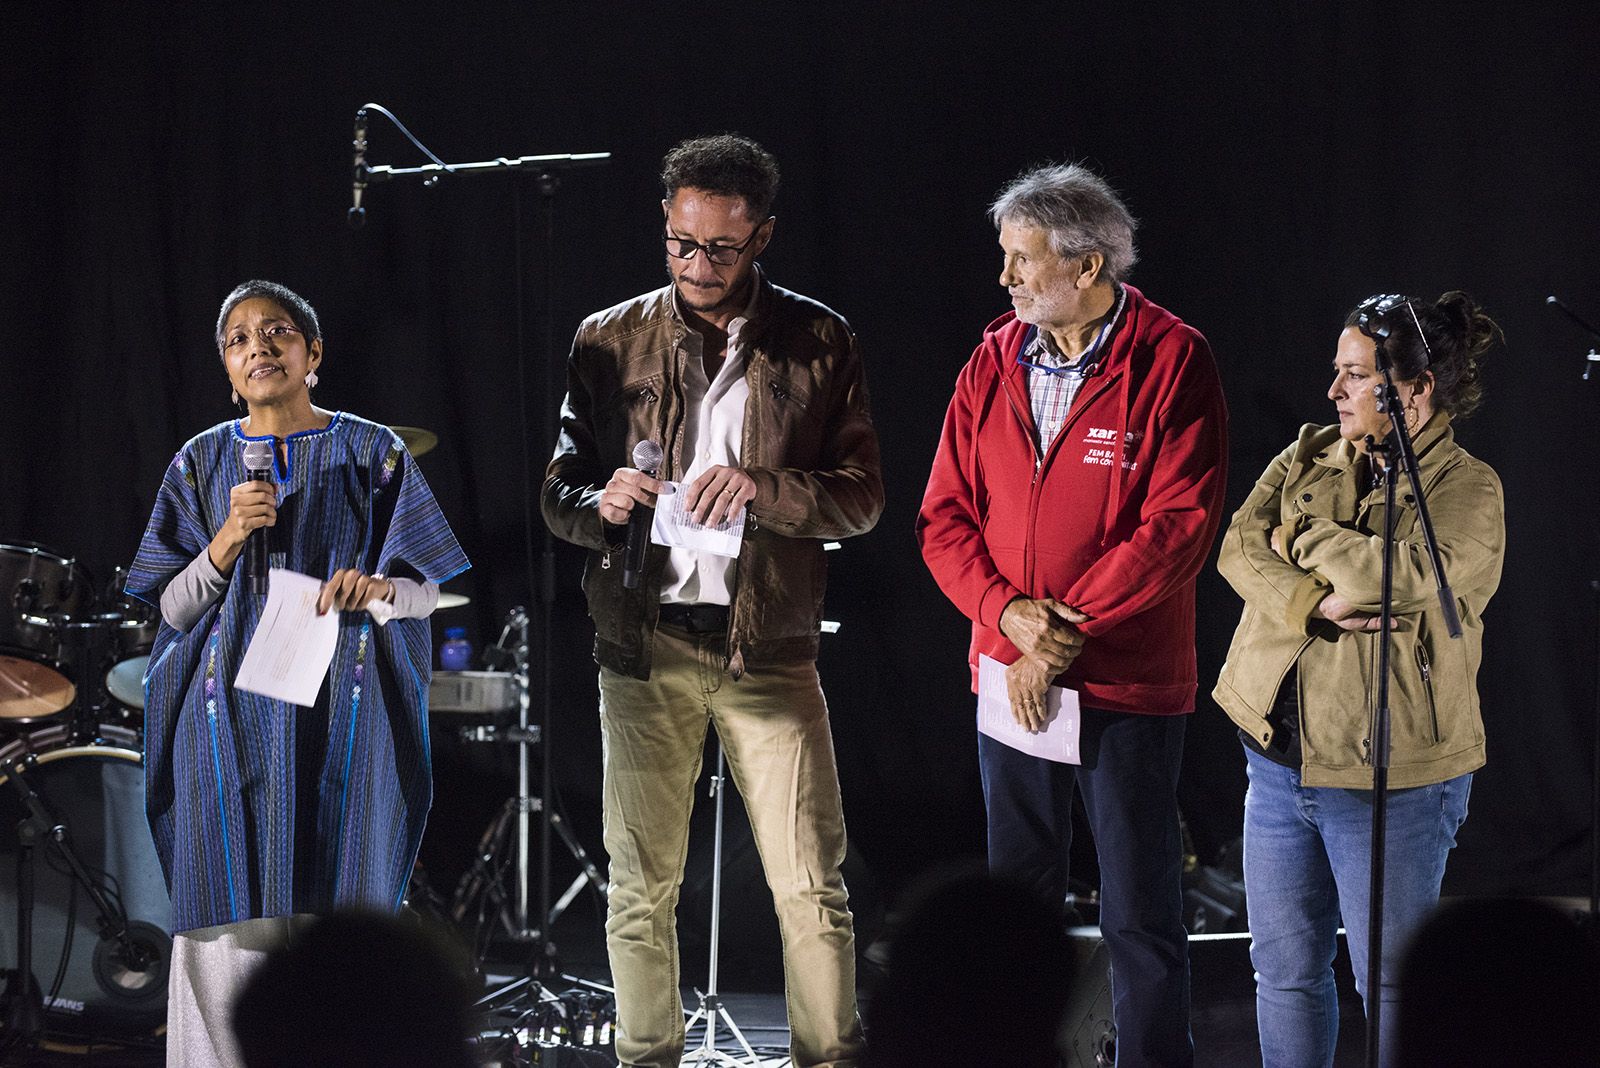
{"x":97,"y":791}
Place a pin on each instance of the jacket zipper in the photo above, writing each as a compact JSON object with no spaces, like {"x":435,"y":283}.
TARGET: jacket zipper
{"x":1277,"y":686}
{"x":1033,"y":490}
{"x":1080,"y":404}
{"x":1372,"y":708}
{"x":1427,"y":688}
{"x":732,"y":652}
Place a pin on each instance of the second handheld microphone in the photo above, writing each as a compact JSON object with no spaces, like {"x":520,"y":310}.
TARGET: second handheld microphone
{"x":647,"y":457}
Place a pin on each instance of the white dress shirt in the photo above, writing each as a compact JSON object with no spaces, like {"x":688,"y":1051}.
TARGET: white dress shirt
{"x":713,"y":433}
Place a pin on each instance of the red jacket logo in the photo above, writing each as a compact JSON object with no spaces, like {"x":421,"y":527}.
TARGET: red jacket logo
{"x":1101,"y":444}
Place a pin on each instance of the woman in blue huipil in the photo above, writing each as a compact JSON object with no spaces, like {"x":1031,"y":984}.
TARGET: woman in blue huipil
{"x":263,"y":811}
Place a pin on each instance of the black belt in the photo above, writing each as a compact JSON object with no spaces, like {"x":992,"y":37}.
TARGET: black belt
{"x":696,"y":618}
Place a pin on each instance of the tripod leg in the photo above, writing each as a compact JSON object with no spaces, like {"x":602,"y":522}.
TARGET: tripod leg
{"x":722,"y":1010}
{"x":590,"y":872}
{"x":476,"y":881}
{"x":566,"y":898}
{"x":24,"y":1001}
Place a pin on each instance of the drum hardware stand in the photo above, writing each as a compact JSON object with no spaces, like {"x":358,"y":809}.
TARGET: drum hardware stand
{"x":1400,"y":454}
{"x":1591,"y":361}
{"x":510,"y":830}
{"x":135,"y":947}
{"x":711,"y":1006}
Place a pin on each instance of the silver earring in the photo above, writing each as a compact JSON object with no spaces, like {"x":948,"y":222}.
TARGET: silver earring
{"x":235,"y":398}
{"x":311,"y":379}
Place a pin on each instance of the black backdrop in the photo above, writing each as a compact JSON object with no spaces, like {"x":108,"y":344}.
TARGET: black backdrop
{"x":1285,"y":161}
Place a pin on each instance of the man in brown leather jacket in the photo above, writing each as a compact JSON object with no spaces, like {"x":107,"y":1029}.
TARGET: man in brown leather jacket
{"x":757,"y":399}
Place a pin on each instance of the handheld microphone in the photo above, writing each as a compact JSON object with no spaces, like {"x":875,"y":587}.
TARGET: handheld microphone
{"x":647,"y":458}
{"x":258,"y":466}
{"x":358,"y":181}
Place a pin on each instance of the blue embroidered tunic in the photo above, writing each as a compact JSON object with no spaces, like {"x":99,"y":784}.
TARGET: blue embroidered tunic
{"x":262,"y":808}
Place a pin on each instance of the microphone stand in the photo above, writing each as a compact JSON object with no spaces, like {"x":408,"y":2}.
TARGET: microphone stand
{"x":1590,"y":361}
{"x":546,"y":171}
{"x":711,"y":1006}
{"x":1398,"y":451}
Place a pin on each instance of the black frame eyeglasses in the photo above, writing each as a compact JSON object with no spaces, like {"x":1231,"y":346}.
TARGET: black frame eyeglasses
{"x":681,"y":248}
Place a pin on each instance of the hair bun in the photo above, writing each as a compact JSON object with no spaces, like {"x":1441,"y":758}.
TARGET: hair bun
{"x":1469,"y":326}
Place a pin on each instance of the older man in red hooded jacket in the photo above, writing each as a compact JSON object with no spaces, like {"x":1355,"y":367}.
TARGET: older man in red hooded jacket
{"x":1074,"y":498}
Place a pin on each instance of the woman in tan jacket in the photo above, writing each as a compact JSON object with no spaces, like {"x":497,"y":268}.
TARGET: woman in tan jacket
{"x":1305,"y":553}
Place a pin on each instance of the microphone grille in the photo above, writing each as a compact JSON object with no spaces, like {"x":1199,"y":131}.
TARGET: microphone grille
{"x":258,"y":456}
{"x":647,"y":455}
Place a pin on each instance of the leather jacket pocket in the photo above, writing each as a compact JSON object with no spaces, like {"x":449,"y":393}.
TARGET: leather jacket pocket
{"x":1425,"y":666}
{"x":630,"y":414}
{"x":791,"y":427}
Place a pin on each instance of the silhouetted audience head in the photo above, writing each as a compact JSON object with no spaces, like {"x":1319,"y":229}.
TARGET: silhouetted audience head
{"x":1499,"y":981}
{"x":978,"y":973}
{"x":359,"y":990}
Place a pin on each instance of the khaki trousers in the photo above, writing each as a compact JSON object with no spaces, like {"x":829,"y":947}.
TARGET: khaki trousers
{"x":773,"y":723}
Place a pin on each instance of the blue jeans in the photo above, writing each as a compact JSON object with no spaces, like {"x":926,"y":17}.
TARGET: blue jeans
{"x":1129,"y":781}
{"x":1307,"y":862}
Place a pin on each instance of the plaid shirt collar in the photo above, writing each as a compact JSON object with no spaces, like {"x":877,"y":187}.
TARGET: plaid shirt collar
{"x":1042,"y":349}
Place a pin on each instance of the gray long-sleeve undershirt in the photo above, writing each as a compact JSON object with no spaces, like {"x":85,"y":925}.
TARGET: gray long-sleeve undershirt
{"x":200,"y":585}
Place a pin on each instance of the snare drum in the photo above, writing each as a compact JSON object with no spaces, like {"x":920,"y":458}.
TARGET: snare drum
{"x":97,"y":791}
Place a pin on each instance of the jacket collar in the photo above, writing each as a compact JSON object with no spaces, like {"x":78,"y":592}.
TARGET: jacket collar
{"x":1140,"y":322}
{"x":1436,"y":435}
{"x":757,"y":312}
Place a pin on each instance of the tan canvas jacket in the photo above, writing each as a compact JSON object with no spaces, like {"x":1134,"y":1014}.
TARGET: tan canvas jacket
{"x":808,"y":442}
{"x":1332,"y":539}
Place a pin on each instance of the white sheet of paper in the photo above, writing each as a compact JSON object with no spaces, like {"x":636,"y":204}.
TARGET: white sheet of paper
{"x":675,"y":528}
{"x":1059,"y":739}
{"x":292,"y":647}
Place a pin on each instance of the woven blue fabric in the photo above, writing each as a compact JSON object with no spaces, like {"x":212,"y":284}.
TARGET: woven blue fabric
{"x":262,"y":808}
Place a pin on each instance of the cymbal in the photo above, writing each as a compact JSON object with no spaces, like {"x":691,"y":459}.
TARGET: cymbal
{"x":452,"y":600}
{"x":418,"y":440}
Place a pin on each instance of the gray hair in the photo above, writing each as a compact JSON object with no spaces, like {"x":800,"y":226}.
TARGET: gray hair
{"x":300,"y":311}
{"x":1081,"y":213}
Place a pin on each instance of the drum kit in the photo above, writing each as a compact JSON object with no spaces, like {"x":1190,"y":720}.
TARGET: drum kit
{"x":87,"y":957}
{"x":93,"y":916}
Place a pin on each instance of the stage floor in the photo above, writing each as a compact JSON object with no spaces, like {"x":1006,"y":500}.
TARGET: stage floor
{"x":1223,"y":1019}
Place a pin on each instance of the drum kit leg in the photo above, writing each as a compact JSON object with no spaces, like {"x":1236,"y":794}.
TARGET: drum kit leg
{"x":72,"y":784}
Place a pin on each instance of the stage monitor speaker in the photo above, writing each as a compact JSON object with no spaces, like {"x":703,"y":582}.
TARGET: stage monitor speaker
{"x":1088,"y":1037}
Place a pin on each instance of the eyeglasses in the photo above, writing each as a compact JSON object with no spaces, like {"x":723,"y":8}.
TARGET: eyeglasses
{"x":269,"y":332}
{"x":1373,"y":310}
{"x":1075,"y":370}
{"x":681,"y":248}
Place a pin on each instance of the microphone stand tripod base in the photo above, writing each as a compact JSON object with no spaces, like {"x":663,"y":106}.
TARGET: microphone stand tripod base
{"x":711,"y":1009}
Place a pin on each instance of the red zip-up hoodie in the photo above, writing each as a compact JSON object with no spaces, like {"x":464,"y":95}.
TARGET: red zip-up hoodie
{"x":1115,"y":518}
